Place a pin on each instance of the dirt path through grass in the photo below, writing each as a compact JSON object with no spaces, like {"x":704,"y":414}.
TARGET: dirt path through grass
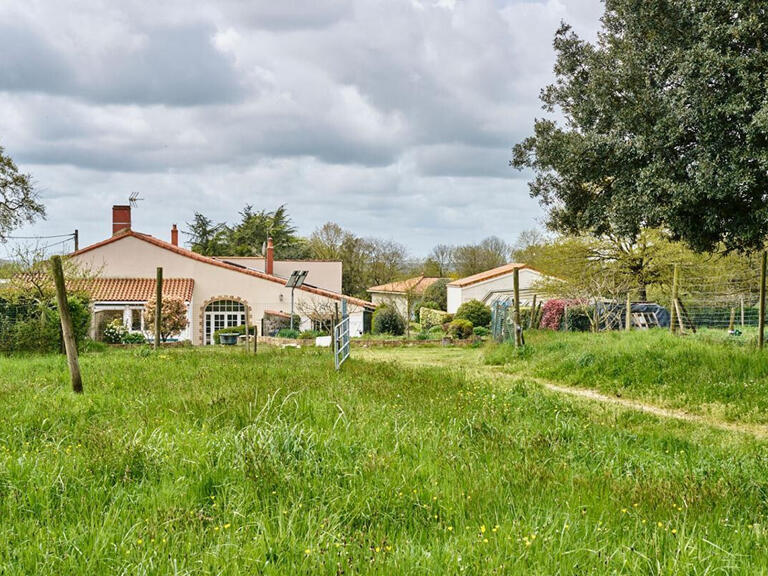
{"x":471,"y":361}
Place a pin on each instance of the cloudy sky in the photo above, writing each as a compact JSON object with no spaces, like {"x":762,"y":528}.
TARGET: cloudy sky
{"x":394,"y":118}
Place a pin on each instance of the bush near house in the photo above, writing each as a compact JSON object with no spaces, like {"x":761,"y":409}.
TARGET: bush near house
{"x":28,"y":325}
{"x":387,"y":320}
{"x":476,"y":312}
{"x":173,"y":319}
{"x":481,"y":331}
{"x":578,"y":317}
{"x":424,"y":305}
{"x":134,"y":338}
{"x":460,"y":328}
{"x":288,"y":333}
{"x":430,"y":318}
{"x":438,"y":293}
{"x":114,"y":332}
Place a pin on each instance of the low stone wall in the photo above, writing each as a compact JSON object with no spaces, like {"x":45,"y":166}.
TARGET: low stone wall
{"x":275,"y":341}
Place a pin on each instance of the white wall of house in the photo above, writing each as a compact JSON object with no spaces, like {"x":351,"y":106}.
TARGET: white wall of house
{"x":398,"y":301}
{"x":323,"y":274}
{"x":131,"y":257}
{"x":488,"y":290}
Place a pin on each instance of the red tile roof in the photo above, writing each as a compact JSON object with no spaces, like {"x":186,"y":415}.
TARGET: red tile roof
{"x":213,"y":262}
{"x":490,"y":274}
{"x":135,"y":289}
{"x":276,"y":313}
{"x":417,"y":284}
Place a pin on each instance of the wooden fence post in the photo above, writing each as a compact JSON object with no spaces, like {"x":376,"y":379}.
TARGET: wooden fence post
{"x":158,"y":307}
{"x":518,"y":328}
{"x":247,"y":333}
{"x":533,"y":313}
{"x":68,"y":332}
{"x":761,"y":319}
{"x":628,"y":317}
{"x":673,"y":308}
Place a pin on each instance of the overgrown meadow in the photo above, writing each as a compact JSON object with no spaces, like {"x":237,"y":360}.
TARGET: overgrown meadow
{"x":211,"y":461}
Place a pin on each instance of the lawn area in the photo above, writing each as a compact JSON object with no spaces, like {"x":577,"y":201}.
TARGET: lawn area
{"x":197,"y":461}
{"x":709,"y":373}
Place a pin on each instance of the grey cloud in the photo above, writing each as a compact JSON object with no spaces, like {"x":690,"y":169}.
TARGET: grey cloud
{"x":289,"y":14}
{"x":171,"y":66}
{"x":393,"y":117}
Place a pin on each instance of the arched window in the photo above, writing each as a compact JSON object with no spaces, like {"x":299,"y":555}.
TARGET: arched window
{"x":221,"y":314}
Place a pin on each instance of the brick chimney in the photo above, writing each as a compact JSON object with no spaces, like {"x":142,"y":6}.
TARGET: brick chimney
{"x":269,"y":262}
{"x":121,"y":218}
{"x":175,"y":235}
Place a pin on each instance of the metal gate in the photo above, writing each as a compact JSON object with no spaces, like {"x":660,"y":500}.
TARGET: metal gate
{"x":341,"y":337}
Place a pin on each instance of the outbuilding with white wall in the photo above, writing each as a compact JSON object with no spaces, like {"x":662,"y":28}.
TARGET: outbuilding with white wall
{"x":494,"y":284}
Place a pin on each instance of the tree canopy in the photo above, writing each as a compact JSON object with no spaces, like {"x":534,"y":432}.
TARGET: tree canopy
{"x":664,"y":124}
{"x":247,"y":237}
{"x":19,"y":202}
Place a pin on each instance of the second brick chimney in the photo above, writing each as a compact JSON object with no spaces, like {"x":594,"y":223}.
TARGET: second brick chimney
{"x":269,"y":261}
{"x":175,"y":235}
{"x":121,"y":218}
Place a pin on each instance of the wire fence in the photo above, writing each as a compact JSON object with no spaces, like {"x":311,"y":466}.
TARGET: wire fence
{"x":683,"y":299}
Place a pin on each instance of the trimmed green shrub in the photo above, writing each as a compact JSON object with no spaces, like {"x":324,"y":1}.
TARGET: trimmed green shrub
{"x":476,"y":312}
{"x":288,"y":333}
{"x":481,"y":331}
{"x":133,"y":338}
{"x":424,"y":305}
{"x":422,"y":336}
{"x":387,"y":320}
{"x":460,"y":328}
{"x":430,"y":318}
{"x":437,"y":329}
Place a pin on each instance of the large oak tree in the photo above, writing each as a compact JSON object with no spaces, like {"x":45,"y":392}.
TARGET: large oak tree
{"x":663,"y":122}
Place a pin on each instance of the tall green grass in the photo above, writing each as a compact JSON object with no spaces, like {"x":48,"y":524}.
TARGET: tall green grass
{"x":707,"y":373}
{"x":200,"y":462}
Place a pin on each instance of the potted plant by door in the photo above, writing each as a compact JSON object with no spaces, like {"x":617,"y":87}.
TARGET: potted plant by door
{"x":228,"y":338}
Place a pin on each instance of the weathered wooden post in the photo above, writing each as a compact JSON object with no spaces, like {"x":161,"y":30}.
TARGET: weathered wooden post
{"x":742,"y":311}
{"x":518,"y":327}
{"x":533,"y":313}
{"x":68,"y":332}
{"x":247,"y":333}
{"x":77,"y":240}
{"x":628,"y":317}
{"x":732,"y":319}
{"x":673,"y":308}
{"x":761,"y":319}
{"x":158,"y":307}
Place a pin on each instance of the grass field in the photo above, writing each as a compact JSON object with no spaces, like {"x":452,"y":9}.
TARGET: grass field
{"x":211,"y":461}
{"x":710,"y":373}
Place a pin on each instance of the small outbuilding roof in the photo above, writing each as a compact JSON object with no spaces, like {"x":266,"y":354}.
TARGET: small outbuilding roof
{"x":135,"y":289}
{"x":416,"y":284}
{"x":490,"y":274}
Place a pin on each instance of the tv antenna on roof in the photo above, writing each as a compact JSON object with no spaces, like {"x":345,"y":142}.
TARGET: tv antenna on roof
{"x":134,"y":199}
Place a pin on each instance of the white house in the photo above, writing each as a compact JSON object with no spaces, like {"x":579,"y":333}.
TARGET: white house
{"x":494,"y":284}
{"x":219,"y":292}
{"x":397,"y":294}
